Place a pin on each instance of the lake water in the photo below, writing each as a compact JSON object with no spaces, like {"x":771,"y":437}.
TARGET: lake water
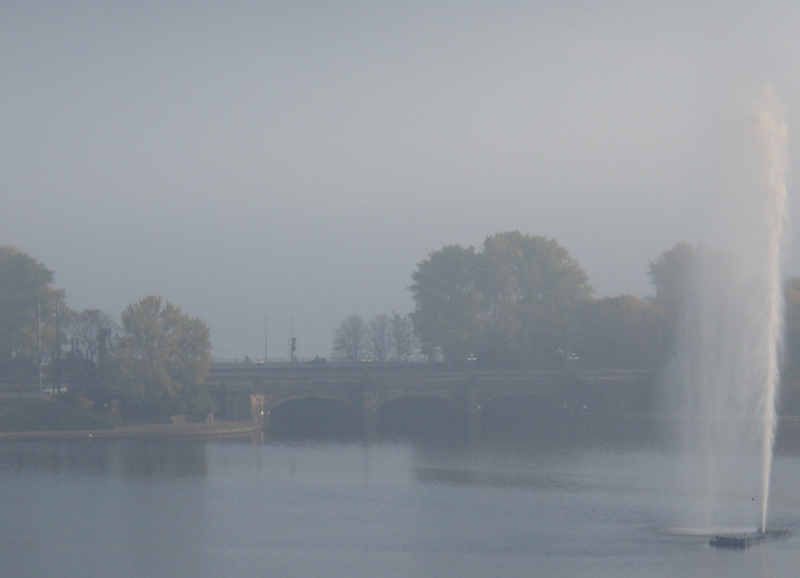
{"x":173,"y":508}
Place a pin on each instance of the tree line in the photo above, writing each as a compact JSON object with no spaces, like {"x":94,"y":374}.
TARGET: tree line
{"x":519,"y":302}
{"x":383,"y":338}
{"x":522,"y":302}
{"x":151,"y":364}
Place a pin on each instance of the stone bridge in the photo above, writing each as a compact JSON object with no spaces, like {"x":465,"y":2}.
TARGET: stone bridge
{"x":388,"y":400}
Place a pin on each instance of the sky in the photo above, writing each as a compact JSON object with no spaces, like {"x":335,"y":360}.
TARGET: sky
{"x":276,"y":166}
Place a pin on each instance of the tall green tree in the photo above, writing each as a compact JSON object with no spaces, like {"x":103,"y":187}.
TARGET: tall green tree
{"x":26,"y":286}
{"x":530,"y":286}
{"x":512,"y":303}
{"x":447,"y":303}
{"x":163,"y":358}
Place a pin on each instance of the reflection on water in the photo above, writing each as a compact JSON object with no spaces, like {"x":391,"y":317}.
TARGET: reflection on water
{"x":168,"y":458}
{"x":54,"y":457}
{"x":588,"y":506}
{"x":117,"y":458}
{"x":464,"y":477}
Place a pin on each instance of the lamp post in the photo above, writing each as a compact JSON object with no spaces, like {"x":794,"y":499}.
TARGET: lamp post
{"x":57,"y":356}
{"x":292,"y":342}
{"x":39,"y":339}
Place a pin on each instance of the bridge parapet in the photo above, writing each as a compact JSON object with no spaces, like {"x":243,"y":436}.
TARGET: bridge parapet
{"x":598,"y":392}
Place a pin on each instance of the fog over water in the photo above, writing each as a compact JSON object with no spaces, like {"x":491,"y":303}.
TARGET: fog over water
{"x":154,"y":508}
{"x":296,"y":160}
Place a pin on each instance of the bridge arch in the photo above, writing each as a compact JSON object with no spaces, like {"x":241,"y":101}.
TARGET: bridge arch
{"x":314,"y":417}
{"x":427,"y":417}
{"x":522,"y":417}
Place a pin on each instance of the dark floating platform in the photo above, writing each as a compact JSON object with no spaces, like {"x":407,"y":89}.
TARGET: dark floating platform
{"x":741,"y":541}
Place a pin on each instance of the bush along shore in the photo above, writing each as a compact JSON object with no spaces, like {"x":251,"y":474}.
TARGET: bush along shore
{"x":56,"y":419}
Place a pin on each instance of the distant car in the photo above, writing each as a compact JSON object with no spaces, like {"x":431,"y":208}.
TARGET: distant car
{"x":51,"y":391}
{"x":317,"y":361}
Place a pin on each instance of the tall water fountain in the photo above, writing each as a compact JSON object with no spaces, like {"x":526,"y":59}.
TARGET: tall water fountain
{"x":725,"y":375}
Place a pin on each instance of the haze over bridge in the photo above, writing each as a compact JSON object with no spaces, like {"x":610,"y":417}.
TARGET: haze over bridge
{"x":398,"y":400}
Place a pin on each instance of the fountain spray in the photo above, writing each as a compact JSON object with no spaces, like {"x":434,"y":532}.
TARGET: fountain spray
{"x":725,"y":374}
{"x":773,"y":133}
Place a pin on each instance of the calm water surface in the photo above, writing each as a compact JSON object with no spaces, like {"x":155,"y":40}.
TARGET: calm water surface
{"x":169,"y":508}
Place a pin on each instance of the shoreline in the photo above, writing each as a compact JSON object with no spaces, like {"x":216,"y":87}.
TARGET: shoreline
{"x":222,"y":429}
{"x":216,"y":429}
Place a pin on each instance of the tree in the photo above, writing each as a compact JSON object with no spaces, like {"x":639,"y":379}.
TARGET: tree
{"x":530,"y":286}
{"x":790,"y":371}
{"x":402,"y":340}
{"x":792,"y":336}
{"x":511,"y":304}
{"x":25,"y":288}
{"x":348,"y":339}
{"x":671,"y":274}
{"x":689,"y":279}
{"x":378,"y":338}
{"x":88,"y":333}
{"x":622,"y":332}
{"x":447,"y":303}
{"x":163,"y":357}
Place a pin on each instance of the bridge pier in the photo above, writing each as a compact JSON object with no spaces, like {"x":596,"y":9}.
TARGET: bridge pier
{"x":369,"y":415}
{"x":474,"y":416}
{"x":238,"y":407}
{"x":258,"y":412}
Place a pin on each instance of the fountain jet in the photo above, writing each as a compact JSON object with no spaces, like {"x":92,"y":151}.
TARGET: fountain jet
{"x":725,"y":373}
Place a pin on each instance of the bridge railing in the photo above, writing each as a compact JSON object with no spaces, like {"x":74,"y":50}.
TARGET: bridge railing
{"x":311,"y":361}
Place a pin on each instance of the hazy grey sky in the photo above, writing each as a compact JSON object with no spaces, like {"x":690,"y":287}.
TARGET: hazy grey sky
{"x":297,"y":159}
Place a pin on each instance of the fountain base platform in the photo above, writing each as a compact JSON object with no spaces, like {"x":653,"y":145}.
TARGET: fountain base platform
{"x":741,"y":541}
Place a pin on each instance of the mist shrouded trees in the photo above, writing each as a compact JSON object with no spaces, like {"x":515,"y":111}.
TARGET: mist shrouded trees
{"x":684,"y":273}
{"x":791,"y":350}
{"x":671,"y":274}
{"x":155,"y":363}
{"x":379,"y":338}
{"x":447,"y":302}
{"x":531,"y":287}
{"x":163,"y":358}
{"x":25,"y":287}
{"x":403,"y":340}
{"x":622,"y":332}
{"x":384,"y":338}
{"x":89,"y":333}
{"x":348,"y":338}
{"x":512,"y":304}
